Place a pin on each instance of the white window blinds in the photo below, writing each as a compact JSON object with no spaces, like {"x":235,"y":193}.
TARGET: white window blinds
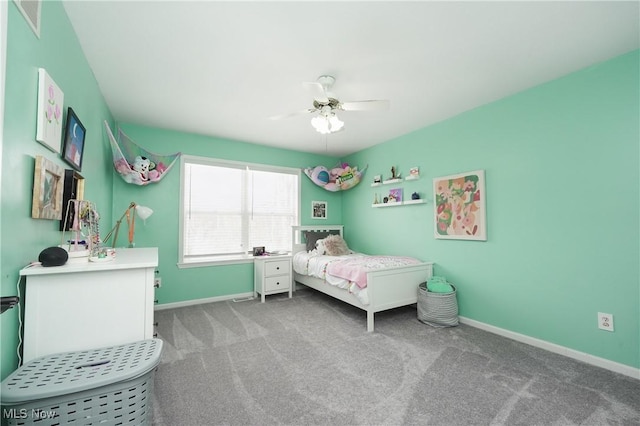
{"x":228,"y":208}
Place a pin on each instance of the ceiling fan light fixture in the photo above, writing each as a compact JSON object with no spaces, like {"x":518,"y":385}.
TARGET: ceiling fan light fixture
{"x":336,"y":123}
{"x":325,"y":124}
{"x":321,"y":124}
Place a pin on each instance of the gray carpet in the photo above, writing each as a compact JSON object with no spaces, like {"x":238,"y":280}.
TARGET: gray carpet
{"x":309,"y":361}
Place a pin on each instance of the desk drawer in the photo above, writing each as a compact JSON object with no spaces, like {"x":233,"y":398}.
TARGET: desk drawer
{"x":277,"y":283}
{"x":278,"y":267}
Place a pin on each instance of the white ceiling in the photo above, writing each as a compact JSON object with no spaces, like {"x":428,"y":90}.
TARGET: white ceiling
{"x":223,"y":68}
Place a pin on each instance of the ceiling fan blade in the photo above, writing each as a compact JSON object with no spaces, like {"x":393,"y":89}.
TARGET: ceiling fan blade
{"x":293,"y":114}
{"x":372,"y":105}
{"x":319,"y":94}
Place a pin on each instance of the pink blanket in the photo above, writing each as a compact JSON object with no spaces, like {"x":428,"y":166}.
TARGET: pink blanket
{"x":356,"y":269}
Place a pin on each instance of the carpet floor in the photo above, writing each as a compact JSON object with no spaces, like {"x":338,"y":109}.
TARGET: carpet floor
{"x":309,"y":361}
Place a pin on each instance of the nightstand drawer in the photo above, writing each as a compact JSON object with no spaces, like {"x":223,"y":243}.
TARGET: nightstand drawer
{"x":279,"y":267}
{"x":277,"y":283}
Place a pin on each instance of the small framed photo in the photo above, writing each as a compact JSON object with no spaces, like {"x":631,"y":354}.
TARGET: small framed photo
{"x":258,"y":251}
{"x":48,"y":183}
{"x":395,"y":195}
{"x":318,"y":209}
{"x":74,"y":140}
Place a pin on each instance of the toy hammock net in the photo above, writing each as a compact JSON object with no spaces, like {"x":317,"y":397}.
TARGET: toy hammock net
{"x":136,"y":165}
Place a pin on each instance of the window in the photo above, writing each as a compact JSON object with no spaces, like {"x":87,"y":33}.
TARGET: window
{"x":227,"y":208}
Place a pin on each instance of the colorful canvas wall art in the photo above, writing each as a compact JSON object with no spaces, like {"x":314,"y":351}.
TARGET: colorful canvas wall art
{"x":49,"y":117}
{"x":460,"y":209}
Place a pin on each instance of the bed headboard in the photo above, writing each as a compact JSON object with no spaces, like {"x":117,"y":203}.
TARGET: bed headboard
{"x":299,"y":243}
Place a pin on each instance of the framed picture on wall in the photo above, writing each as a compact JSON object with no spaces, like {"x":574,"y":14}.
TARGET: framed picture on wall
{"x":459,"y":207}
{"x":395,"y":195}
{"x":74,"y":140}
{"x":73,"y":190}
{"x":48,"y":183}
{"x":318,"y":209}
{"x":49,"y":116}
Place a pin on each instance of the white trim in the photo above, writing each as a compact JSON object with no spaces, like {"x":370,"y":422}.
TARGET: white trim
{"x":35,"y":26}
{"x":216,"y":162}
{"x":3,"y":71}
{"x":225,"y":260}
{"x":221,"y":162}
{"x":202,"y":301}
{"x":552,"y":347}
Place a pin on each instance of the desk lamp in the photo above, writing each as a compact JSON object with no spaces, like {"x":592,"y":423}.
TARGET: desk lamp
{"x":142,"y":211}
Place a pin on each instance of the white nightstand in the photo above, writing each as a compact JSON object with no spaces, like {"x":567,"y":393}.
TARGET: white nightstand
{"x":272,"y":275}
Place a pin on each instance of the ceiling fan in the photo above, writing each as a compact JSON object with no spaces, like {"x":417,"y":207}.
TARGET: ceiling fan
{"x":326,"y":105}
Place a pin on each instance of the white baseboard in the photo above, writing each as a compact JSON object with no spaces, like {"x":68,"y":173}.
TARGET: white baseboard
{"x":201,"y":301}
{"x":552,"y":347}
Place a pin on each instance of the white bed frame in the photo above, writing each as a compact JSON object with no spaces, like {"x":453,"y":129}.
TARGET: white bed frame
{"x":387,"y":288}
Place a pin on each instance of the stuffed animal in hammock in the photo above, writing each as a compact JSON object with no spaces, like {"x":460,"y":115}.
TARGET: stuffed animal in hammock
{"x":142,"y":165}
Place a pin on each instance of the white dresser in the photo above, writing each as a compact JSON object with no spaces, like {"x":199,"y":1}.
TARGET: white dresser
{"x":89,"y":305}
{"x":272,"y":275}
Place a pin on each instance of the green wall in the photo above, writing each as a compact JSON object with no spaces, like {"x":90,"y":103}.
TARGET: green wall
{"x":58,"y":51}
{"x":562,"y":186}
{"x":562,"y":172}
{"x":161,"y":229}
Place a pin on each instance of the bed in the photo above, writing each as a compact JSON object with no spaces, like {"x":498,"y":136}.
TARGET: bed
{"x":386,"y":288}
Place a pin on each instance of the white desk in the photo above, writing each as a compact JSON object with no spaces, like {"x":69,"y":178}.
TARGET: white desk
{"x":89,"y":305}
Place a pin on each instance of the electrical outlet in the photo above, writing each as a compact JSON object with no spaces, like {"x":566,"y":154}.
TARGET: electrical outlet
{"x":157,"y":282}
{"x":605,"y":321}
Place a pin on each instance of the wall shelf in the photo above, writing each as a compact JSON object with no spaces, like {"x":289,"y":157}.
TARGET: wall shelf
{"x":392,"y":181}
{"x":386,"y":182}
{"x":400,"y":203}
{"x":399,"y":181}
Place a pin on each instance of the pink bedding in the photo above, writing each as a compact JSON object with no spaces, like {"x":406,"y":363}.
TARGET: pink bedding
{"x":355,"y":269}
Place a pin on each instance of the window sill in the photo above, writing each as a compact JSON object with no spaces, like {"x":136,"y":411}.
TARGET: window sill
{"x":218,"y":261}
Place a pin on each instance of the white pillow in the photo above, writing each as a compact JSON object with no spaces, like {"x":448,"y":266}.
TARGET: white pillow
{"x":320,"y":248}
